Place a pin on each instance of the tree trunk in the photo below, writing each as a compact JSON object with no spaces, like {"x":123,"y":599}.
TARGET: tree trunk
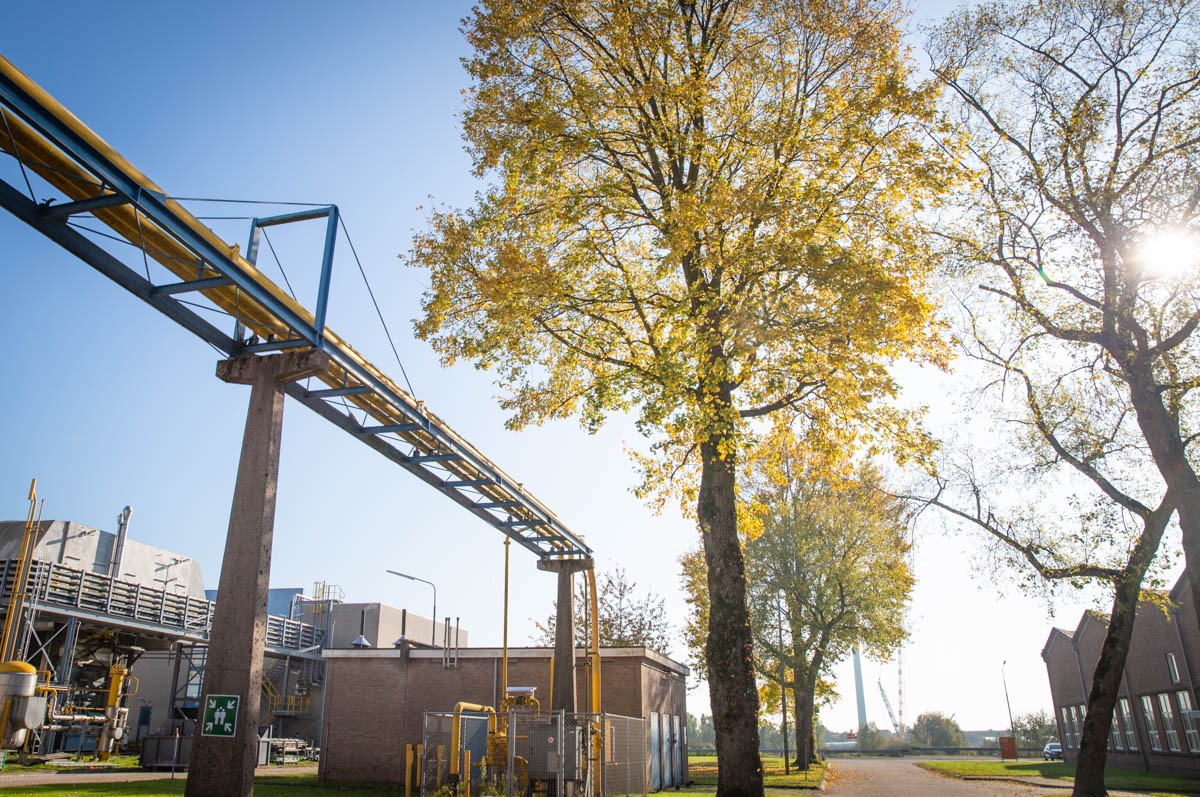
{"x":1106,"y":678}
{"x":1189,"y":524}
{"x":805,"y":699}
{"x":1160,"y":428}
{"x":1102,"y":699}
{"x":729,"y":649}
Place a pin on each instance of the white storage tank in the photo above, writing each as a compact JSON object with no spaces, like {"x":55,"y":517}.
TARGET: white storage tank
{"x":18,"y":682}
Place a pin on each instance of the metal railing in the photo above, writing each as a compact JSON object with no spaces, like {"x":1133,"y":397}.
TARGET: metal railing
{"x":55,"y":586}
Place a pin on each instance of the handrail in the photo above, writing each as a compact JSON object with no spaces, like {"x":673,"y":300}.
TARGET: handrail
{"x":55,"y":585}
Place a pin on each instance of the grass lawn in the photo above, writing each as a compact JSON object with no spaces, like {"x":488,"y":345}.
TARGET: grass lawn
{"x":702,"y":769}
{"x":264,"y":786}
{"x":1114,"y":778}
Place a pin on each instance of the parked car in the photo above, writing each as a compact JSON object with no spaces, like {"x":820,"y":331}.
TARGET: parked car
{"x":1051,"y":751}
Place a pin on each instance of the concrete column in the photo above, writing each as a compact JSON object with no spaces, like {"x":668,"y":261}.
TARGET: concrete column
{"x":563,"y":695}
{"x":225,"y":764}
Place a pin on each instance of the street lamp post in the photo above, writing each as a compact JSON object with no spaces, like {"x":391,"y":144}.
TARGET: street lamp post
{"x":1011,"y":728}
{"x":783,"y":694}
{"x":433,"y":630}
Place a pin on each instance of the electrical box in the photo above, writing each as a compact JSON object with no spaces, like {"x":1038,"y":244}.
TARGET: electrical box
{"x":550,"y":753}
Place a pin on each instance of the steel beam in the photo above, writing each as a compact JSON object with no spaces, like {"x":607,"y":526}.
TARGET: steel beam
{"x":334,"y":392}
{"x":181,"y":239}
{"x":66,"y":209}
{"x":193,"y":285}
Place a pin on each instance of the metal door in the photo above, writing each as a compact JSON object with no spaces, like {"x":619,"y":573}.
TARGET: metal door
{"x":655,"y":753}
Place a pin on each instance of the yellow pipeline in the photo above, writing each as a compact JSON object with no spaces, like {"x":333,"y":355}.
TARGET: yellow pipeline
{"x":456,"y":730}
{"x":595,"y":652}
{"x":16,"y":598}
{"x":597,"y":738}
{"x":116,"y":680}
{"x":504,"y":666}
{"x":40,"y":156}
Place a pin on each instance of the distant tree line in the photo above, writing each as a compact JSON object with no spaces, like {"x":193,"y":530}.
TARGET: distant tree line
{"x":701,"y":736}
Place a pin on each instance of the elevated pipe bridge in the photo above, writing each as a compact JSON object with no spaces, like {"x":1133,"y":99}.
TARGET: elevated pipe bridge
{"x":89,"y":178}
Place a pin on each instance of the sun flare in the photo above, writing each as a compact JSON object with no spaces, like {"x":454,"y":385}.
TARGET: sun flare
{"x":1170,"y":252}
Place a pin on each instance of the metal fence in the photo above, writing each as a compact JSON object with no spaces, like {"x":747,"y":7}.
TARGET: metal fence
{"x":549,"y":754}
{"x":624,"y":759}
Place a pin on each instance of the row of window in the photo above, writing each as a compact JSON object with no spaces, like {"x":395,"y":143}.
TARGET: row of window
{"x":1124,"y":734}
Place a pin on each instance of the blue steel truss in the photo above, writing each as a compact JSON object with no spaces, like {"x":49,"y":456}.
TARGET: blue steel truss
{"x":94,"y":180}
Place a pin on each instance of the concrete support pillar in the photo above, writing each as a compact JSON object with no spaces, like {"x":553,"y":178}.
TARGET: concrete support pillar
{"x":563,"y":695}
{"x":224,"y":764}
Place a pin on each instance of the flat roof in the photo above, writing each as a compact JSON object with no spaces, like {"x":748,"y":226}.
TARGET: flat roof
{"x":513,"y":653}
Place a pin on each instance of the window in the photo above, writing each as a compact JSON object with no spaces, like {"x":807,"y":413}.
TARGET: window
{"x":1172,"y":668}
{"x":1127,"y":721}
{"x":1189,"y":722}
{"x":1071,"y":730}
{"x":1168,"y":718}
{"x":1151,"y":723}
{"x":1116,"y":741}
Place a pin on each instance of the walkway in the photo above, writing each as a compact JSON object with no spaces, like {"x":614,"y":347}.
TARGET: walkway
{"x":903,"y":777}
{"x":900,"y":777}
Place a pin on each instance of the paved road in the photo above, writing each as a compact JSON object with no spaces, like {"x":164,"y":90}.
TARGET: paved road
{"x":898,"y":777}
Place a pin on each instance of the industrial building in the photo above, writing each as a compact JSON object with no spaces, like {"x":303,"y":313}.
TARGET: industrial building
{"x":1156,"y":725}
{"x":107,"y":619}
{"x":103,"y":609}
{"x":182,"y":268}
{"x":378,"y":700}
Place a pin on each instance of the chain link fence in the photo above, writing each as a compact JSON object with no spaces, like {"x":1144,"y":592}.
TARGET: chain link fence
{"x":532,"y":754}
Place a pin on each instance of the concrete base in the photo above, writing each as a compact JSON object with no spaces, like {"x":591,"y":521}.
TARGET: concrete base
{"x":224,"y":764}
{"x":562,"y":695}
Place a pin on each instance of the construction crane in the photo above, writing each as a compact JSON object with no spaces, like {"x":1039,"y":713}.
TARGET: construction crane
{"x":887,"y":703}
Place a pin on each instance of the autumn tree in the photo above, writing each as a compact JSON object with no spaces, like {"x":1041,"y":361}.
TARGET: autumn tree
{"x":1085,"y":135}
{"x":627,"y":616}
{"x":933,"y":729}
{"x":870,"y":737}
{"x":826,"y":560}
{"x":701,"y":212}
{"x":1034,"y":729}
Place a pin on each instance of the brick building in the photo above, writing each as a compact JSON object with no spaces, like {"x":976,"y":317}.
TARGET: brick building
{"x":1155,"y":724}
{"x":375,"y":702}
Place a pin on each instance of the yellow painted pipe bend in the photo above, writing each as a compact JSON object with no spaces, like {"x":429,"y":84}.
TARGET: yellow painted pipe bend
{"x":456,"y":730}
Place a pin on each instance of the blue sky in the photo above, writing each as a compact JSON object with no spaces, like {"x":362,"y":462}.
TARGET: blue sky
{"x":108,"y":403}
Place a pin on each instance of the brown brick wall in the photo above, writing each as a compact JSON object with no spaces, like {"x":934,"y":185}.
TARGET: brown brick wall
{"x":1155,"y":634}
{"x":375,"y":705}
{"x":621,"y":687}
